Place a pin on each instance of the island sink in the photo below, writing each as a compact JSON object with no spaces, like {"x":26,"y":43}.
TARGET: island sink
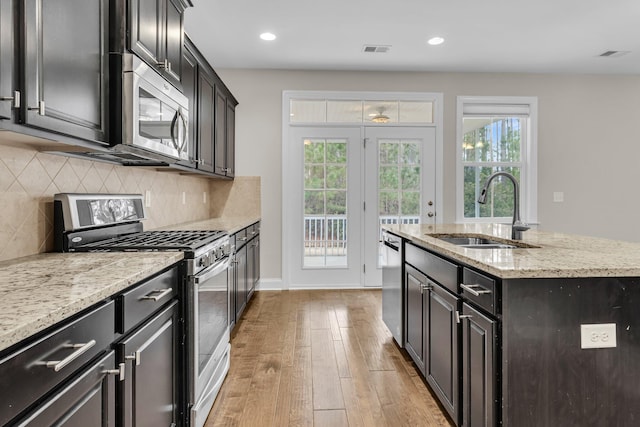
{"x":480,"y":241}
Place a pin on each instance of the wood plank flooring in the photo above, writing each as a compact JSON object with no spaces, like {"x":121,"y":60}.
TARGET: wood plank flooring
{"x":320,"y":358}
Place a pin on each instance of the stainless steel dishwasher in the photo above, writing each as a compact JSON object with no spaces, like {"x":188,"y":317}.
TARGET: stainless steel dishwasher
{"x":392,"y":306}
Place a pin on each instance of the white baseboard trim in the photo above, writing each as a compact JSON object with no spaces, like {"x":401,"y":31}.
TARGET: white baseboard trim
{"x":278,"y":285}
{"x":270,"y":285}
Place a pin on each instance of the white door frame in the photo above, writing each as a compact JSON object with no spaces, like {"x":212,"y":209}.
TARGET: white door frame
{"x":287,"y":96}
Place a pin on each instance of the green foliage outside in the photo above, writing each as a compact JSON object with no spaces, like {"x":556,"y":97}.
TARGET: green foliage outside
{"x":399,"y":178}
{"x":495,"y":140}
{"x":325,"y":177}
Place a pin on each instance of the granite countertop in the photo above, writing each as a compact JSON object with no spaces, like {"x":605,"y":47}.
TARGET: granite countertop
{"x":229,"y":224}
{"x":557,"y":255}
{"x":40,"y":290}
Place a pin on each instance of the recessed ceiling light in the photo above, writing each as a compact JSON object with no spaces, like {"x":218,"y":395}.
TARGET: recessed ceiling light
{"x":268,"y":36}
{"x":434,"y":41}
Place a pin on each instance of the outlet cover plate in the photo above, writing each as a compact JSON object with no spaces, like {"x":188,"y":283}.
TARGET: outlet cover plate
{"x":598,"y":335}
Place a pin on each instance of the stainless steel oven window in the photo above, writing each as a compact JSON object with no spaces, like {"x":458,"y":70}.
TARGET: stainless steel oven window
{"x":212,"y":317}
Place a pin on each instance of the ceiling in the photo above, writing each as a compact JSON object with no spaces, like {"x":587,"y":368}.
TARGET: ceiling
{"x":540,"y":36}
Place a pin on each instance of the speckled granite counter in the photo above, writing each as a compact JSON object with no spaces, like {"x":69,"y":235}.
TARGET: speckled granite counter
{"x":558,"y":255}
{"x":38,"y":291}
{"x":228,"y":224}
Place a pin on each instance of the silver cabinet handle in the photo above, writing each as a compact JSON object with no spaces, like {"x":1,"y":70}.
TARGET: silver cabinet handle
{"x":163,"y":64}
{"x":472,"y":289}
{"x":244,"y":239}
{"x":15,"y":98}
{"x":40,"y":108}
{"x":426,"y":287}
{"x":462,"y":316}
{"x":163,"y":293}
{"x":119,"y":372}
{"x":57,"y":365}
{"x":135,"y":356}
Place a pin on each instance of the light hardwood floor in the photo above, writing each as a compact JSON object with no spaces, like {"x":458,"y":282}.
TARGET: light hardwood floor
{"x":320,"y":358}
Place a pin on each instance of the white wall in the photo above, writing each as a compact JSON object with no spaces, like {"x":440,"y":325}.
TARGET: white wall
{"x":589,"y":145}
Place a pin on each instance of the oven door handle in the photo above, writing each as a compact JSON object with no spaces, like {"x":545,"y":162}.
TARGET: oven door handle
{"x":213,"y":271}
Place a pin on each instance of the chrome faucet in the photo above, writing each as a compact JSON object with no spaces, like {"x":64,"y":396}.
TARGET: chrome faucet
{"x":517,"y":227}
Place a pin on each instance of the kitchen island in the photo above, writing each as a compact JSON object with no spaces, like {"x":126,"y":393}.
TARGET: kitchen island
{"x":536,"y":336}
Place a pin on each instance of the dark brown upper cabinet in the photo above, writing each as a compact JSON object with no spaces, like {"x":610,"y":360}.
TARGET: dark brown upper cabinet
{"x":53,"y":83}
{"x":9,"y":93}
{"x":211,"y":116}
{"x":224,"y":157}
{"x":156,"y":31}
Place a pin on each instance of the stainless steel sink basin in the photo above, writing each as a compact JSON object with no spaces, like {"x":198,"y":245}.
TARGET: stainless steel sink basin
{"x":479,"y":242}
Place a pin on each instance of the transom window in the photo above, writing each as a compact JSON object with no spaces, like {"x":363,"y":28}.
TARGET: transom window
{"x":496,"y":134}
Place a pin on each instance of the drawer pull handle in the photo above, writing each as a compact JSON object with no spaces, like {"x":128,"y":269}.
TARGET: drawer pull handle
{"x":472,"y":289}
{"x":119,"y":372}
{"x":162,"y":293}
{"x":57,"y":365}
{"x":243,"y":239}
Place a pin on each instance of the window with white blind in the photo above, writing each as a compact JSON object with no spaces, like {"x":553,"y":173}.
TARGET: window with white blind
{"x":496,"y":134}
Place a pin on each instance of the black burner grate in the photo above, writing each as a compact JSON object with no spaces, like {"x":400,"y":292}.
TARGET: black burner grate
{"x":158,"y":240}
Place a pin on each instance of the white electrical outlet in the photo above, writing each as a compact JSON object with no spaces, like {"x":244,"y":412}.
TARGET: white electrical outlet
{"x":598,"y":335}
{"x":558,"y":196}
{"x":147,"y":199}
{"x":184,"y":198}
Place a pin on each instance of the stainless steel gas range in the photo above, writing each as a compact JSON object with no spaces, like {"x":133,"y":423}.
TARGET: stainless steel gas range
{"x":112,"y":222}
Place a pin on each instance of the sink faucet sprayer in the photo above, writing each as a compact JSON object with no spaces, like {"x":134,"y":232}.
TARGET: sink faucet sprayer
{"x":517,"y":227}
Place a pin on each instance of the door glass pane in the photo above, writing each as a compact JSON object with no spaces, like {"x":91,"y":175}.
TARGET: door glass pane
{"x":325,"y":203}
{"x":399,"y":178}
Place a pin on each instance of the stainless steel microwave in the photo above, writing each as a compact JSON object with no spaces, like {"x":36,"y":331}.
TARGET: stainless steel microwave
{"x":155,"y":114}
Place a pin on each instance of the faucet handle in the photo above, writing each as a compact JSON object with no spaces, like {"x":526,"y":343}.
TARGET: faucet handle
{"x":520,"y":226}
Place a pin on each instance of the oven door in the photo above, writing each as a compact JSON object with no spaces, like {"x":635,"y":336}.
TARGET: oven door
{"x":156,"y":114}
{"x":208,"y":331}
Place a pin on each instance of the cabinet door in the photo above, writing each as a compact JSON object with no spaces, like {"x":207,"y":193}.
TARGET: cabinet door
{"x":148,"y":395}
{"x":232,"y":273}
{"x":7,"y":38}
{"x":206,"y":102}
{"x":442,"y":355}
{"x":231,"y":139}
{"x":189,"y":88}
{"x":89,"y":400}
{"x":220,"y":156}
{"x":415,"y":282}
{"x":174,"y":40}
{"x":478,"y":369}
{"x":66,"y":67}
{"x":146,"y":30}
{"x":241,"y":272}
{"x":251,"y":267}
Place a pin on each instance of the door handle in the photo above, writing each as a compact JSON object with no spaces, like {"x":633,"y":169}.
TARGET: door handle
{"x":462,"y":316}
{"x":40,"y":108}
{"x":15,"y":98}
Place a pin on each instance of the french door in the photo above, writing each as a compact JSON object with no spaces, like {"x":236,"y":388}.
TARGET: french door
{"x":344,"y":182}
{"x":400,"y":186}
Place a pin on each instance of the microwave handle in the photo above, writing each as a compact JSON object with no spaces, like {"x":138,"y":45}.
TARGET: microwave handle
{"x":178,"y":116}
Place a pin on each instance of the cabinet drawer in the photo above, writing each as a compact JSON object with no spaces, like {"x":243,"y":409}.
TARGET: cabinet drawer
{"x":145,"y":299}
{"x":29,"y":373}
{"x":437,"y":268}
{"x":479,"y":289}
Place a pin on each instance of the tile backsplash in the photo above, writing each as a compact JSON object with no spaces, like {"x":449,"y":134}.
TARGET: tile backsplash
{"x":29,"y":179}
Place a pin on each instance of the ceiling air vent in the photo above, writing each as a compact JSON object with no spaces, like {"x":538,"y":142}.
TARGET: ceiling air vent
{"x":370,"y":48}
{"x":613,"y":53}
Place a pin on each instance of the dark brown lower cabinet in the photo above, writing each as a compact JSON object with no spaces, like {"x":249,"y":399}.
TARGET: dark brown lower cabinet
{"x":415,"y":282}
{"x":241,"y":281}
{"x":148,"y":395}
{"x":479,"y":368}
{"x":89,"y":400}
{"x":441,"y":347}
